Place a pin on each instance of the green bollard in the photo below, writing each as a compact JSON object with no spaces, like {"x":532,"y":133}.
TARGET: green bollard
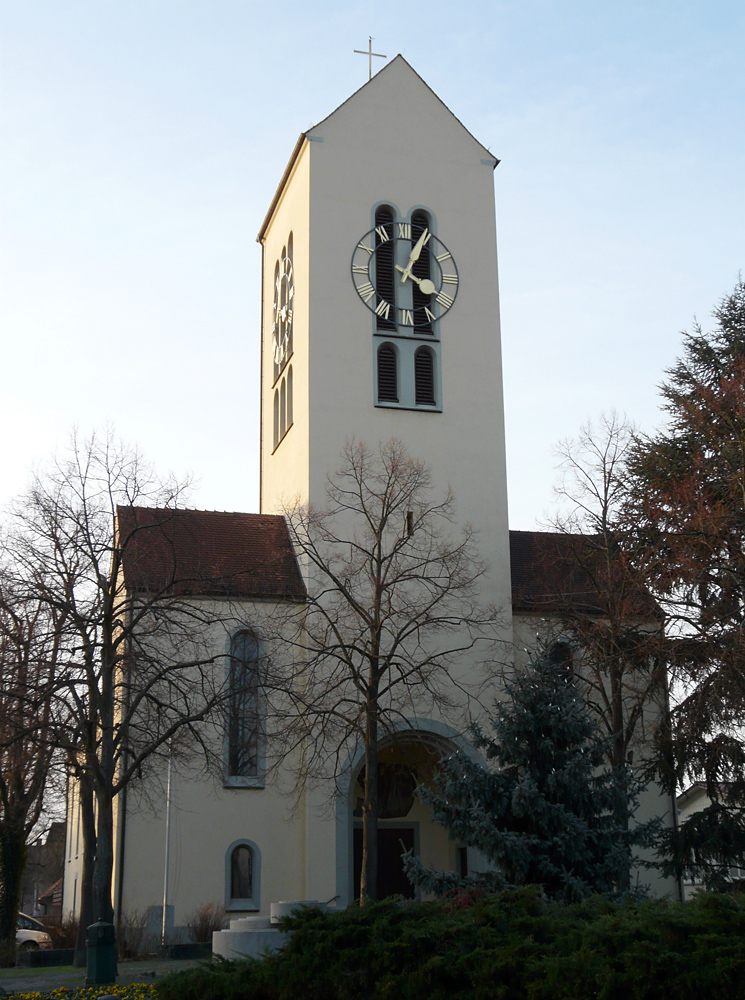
{"x":101,"y":954}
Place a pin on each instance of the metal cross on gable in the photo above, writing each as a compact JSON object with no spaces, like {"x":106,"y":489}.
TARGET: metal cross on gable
{"x":369,"y":53}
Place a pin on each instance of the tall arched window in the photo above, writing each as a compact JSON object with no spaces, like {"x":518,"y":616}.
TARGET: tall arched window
{"x":282,"y":409}
{"x":276,"y":417}
{"x":289,"y":397}
{"x":243,"y":714}
{"x":424,"y":377}
{"x":241,"y":873}
{"x":387,"y":374}
{"x":422,"y":268}
{"x":384,"y":263}
{"x":290,"y":299}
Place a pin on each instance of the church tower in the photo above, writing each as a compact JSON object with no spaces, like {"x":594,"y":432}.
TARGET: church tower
{"x":380,"y":306}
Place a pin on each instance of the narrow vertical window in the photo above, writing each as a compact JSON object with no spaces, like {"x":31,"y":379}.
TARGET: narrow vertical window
{"x":421,"y":269}
{"x":289,"y":397}
{"x":387,"y":374}
{"x":384,"y":263}
{"x":276,"y":336}
{"x":282,"y":409}
{"x":243,"y":718}
{"x":243,"y":876}
{"x":424,"y":377}
{"x":290,"y":299}
{"x":241,"y":873}
{"x":276,"y":417}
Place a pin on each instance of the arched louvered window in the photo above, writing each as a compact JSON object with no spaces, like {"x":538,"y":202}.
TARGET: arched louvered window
{"x":422,"y":268}
{"x":424,"y":377}
{"x":387,"y":374}
{"x":282,"y":408}
{"x":276,"y":417}
{"x":289,"y":397}
{"x":243,"y":716}
{"x":384,"y":263}
{"x":276,"y":333}
{"x":290,"y":303}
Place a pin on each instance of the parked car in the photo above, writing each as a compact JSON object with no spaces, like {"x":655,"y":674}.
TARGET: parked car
{"x":31,"y":935}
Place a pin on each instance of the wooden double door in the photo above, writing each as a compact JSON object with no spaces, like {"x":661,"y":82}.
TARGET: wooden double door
{"x":392,"y":842}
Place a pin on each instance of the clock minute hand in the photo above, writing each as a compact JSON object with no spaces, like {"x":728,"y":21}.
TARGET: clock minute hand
{"x":414,"y":255}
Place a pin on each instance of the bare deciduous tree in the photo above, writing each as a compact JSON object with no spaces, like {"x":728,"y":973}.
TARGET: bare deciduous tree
{"x":29,"y":656}
{"x":134,"y":680}
{"x":611,"y":615}
{"x":392,"y":608}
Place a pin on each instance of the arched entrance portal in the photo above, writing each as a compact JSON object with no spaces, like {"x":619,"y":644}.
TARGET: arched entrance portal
{"x":405,"y":760}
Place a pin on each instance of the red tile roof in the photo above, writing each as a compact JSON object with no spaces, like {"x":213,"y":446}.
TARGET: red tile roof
{"x":552,"y":571}
{"x":210,"y":553}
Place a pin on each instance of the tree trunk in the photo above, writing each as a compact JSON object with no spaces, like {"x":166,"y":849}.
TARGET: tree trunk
{"x":104,"y":867}
{"x":369,"y":874}
{"x":619,"y":762}
{"x":89,"y":859}
{"x":12,"y":862}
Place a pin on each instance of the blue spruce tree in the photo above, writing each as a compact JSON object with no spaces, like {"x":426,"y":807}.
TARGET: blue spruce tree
{"x":546,"y":809}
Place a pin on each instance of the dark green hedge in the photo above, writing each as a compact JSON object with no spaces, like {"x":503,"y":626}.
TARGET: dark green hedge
{"x":512,"y":946}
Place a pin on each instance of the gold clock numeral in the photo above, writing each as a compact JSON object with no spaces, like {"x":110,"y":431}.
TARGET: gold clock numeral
{"x":366,"y":291}
{"x":382,"y":234}
{"x":404,"y":231}
{"x":450,"y":279}
{"x":430,"y":315}
{"x":407,"y":317}
{"x":444,"y":300}
{"x":289,"y":317}
{"x":291,"y":293}
{"x":361,"y":246}
{"x":383,"y":308}
{"x":442,"y":257}
{"x":359,"y":268}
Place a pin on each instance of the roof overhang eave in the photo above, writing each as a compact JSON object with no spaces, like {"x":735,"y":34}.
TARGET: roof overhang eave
{"x":280,"y":188}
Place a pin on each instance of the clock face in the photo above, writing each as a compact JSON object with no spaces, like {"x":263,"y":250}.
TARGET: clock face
{"x":284,"y":294}
{"x":405,"y":275}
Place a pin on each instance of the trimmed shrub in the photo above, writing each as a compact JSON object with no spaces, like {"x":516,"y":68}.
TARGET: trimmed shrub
{"x":511,"y":946}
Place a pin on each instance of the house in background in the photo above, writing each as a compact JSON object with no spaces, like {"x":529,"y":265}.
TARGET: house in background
{"x":380,"y":320}
{"x":41,"y":888}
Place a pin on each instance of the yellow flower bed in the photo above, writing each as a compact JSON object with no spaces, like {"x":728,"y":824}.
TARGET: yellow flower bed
{"x":137,"y":991}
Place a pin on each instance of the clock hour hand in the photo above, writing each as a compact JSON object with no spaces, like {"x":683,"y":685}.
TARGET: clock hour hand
{"x":425,"y":285}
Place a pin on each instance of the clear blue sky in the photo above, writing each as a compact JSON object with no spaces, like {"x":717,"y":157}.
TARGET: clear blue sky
{"x":141,"y":142}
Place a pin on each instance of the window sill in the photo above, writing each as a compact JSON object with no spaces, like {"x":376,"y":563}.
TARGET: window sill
{"x":242,"y":906}
{"x":238,"y":781}
{"x":400,"y":406}
{"x":283,"y":369}
{"x":283,"y":437}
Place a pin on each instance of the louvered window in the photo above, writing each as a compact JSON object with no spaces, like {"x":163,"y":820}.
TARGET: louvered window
{"x":384,"y":270}
{"x":421,"y":269}
{"x":424,"y":377}
{"x":387,"y":374}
